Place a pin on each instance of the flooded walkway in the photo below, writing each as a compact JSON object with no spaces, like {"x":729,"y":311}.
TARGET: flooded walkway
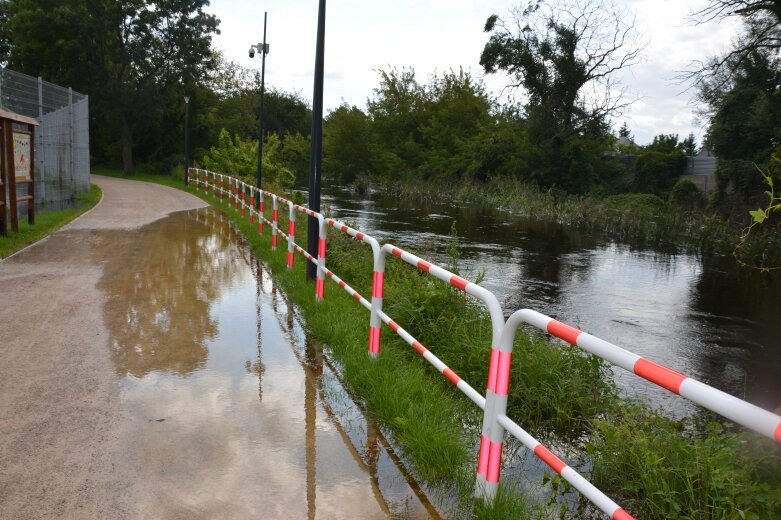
{"x":150,"y":368}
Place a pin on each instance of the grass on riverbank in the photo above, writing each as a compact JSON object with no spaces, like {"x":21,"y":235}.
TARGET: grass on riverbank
{"x":46,"y":222}
{"x":653,"y":466}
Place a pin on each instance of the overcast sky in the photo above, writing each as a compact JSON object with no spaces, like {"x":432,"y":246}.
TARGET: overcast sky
{"x":437,"y":35}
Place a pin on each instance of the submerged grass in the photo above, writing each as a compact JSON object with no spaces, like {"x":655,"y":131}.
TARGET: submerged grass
{"x":653,"y":466}
{"x":644,"y":219}
{"x":46,"y":222}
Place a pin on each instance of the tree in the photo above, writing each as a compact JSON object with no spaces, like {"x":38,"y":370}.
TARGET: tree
{"x":565,"y":57}
{"x":762,"y":19}
{"x":135,"y":58}
{"x":664,"y":143}
{"x":745,"y":120}
{"x":348,"y":144}
{"x":624,"y":131}
{"x":689,"y":145}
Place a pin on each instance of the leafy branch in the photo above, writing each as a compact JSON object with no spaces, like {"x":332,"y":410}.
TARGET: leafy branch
{"x":759,"y":216}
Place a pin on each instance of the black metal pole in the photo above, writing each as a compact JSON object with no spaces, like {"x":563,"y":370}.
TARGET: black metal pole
{"x":186,"y":140}
{"x":262,"y":95}
{"x":315,"y":159}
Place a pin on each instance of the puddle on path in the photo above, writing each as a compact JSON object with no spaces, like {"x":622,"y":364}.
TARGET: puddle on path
{"x":232,"y":411}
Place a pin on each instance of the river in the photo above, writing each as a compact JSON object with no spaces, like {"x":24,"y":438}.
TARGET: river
{"x":700,"y":317}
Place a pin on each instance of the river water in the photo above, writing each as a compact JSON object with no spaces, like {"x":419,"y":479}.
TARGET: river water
{"x":702,"y":318}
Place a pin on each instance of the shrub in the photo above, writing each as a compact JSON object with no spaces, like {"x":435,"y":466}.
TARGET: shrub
{"x":686,"y":194}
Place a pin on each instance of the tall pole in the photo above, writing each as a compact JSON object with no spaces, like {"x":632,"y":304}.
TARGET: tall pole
{"x":315,"y":160}
{"x":262,"y":96}
{"x":186,"y":140}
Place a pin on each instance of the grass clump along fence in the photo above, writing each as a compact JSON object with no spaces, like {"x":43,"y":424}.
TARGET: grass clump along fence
{"x":654,"y":466}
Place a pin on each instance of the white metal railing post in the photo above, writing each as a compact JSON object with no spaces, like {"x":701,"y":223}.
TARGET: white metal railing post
{"x":322,"y":237}
{"x":274,"y":219}
{"x":291,"y":234}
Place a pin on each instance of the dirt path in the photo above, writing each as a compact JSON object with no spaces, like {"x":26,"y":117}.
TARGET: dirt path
{"x":60,"y":425}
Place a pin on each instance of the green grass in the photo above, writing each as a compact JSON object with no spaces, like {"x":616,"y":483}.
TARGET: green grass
{"x":651,"y":465}
{"x":46,"y":222}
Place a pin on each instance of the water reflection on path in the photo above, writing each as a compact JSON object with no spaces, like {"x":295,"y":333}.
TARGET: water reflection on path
{"x":232,"y":410}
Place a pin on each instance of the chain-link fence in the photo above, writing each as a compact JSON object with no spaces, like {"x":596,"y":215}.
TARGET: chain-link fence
{"x":61,"y":140}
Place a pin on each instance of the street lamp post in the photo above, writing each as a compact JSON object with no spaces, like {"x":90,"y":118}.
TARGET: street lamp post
{"x":186,"y":139}
{"x":315,"y":161}
{"x":262,"y":49}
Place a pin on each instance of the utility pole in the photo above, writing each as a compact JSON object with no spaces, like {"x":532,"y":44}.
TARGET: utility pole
{"x":316,"y":157}
{"x":186,"y":140}
{"x":263,"y":49}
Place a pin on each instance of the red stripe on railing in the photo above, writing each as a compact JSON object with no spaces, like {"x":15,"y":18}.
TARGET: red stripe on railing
{"x":275,"y":214}
{"x":393,"y":325}
{"x":331,"y":222}
{"x":564,"y":331}
{"x":329,"y":274}
{"x":493,"y":366}
{"x":344,"y":228}
{"x":458,"y":282}
{"x":321,"y":248}
{"x":377,"y":284}
{"x":482,"y":457}
{"x":342,"y":284}
{"x":291,"y":227}
{"x":503,"y":373}
{"x":359,"y":236}
{"x":452,"y":376}
{"x":290,"y":257}
{"x":778,"y":432}
{"x":549,"y":458}
{"x":422,"y":264}
{"x":662,"y":376}
{"x":396,"y":252}
{"x":357,"y":296}
{"x":420,"y":348}
{"x":494,"y":461}
{"x":374,"y":339}
{"x":620,"y":514}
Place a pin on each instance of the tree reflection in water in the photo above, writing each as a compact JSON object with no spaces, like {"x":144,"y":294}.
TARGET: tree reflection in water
{"x":159,"y":286}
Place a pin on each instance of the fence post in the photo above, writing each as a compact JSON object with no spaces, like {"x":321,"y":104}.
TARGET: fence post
{"x":274,"y":218}
{"x":251,"y":204}
{"x":260,"y":211}
{"x":375,"y":321}
{"x":243,"y":199}
{"x":291,"y":234}
{"x":321,"y":243}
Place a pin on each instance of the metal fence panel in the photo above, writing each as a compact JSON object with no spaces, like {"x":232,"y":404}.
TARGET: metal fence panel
{"x":61,"y":141}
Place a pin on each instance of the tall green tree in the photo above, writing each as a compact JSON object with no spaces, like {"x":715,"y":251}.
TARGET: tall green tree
{"x":135,"y":58}
{"x":564,"y":56}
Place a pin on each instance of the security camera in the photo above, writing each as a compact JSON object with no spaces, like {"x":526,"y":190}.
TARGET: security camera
{"x":252,"y":51}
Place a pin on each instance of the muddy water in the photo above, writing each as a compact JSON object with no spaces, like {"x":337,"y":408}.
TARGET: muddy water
{"x":231,"y":410}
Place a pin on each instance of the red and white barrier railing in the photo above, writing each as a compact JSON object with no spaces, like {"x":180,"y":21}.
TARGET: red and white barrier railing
{"x":494,"y":404}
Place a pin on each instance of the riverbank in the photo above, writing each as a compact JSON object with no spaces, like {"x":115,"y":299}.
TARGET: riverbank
{"x":643,"y":219}
{"x":653,"y":466}
{"x":47,"y":222}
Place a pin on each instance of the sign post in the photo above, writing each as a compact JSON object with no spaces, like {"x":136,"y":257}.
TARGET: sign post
{"x":17,"y":158}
